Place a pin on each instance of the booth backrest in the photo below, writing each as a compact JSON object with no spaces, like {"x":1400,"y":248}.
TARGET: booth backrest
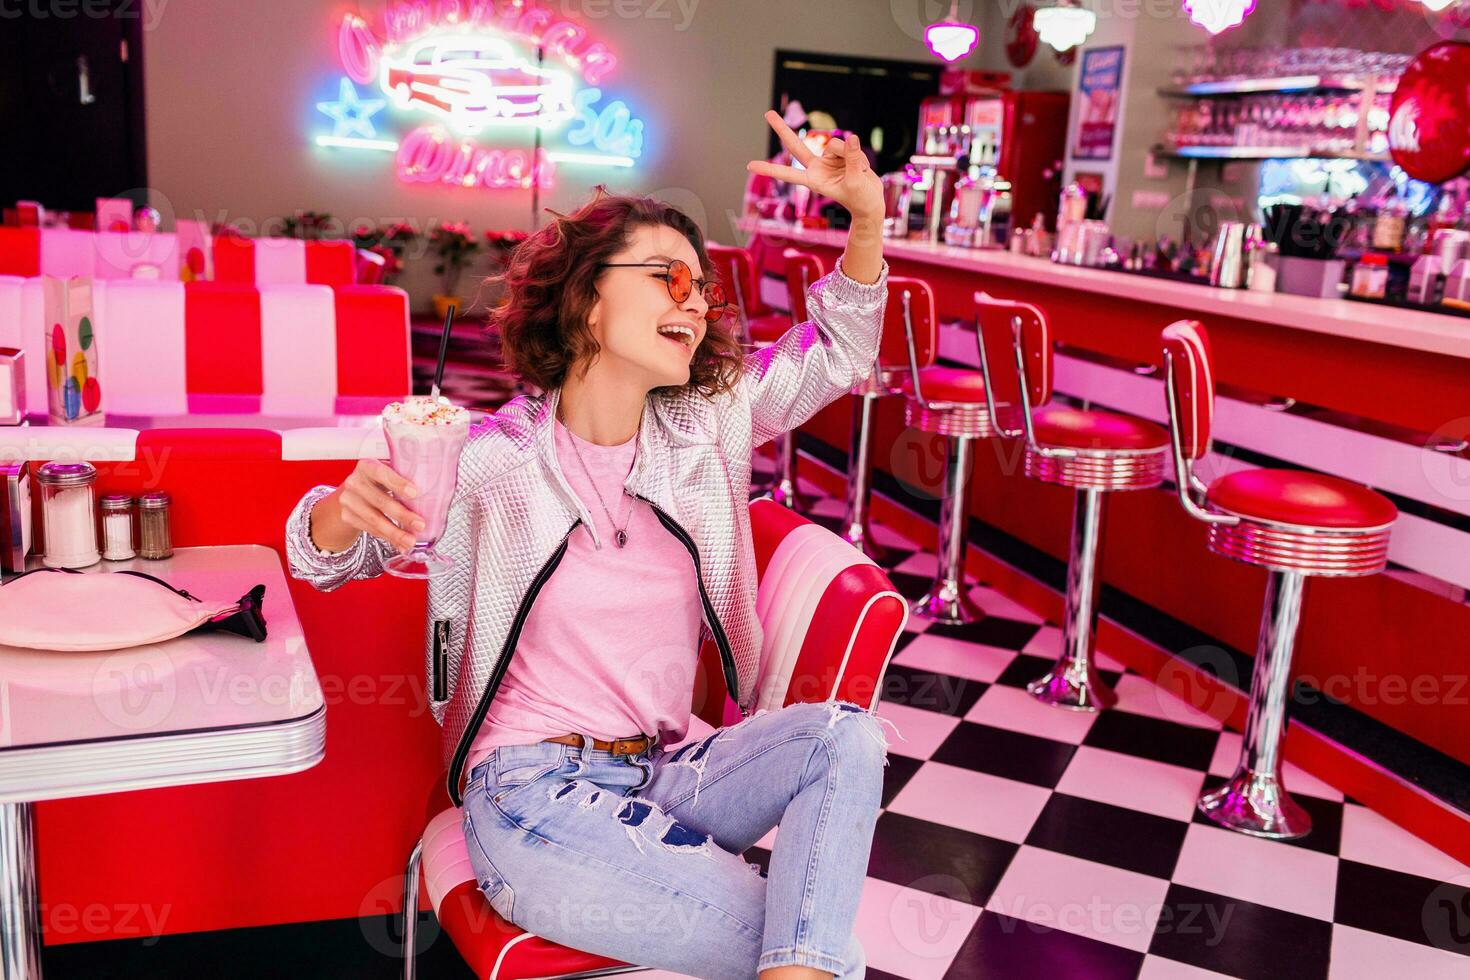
{"x":169,"y":348}
{"x":268,"y":261}
{"x":31,"y":251}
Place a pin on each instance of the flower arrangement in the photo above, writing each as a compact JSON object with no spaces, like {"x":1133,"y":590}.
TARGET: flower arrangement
{"x":310,"y":225}
{"x":454,"y":244}
{"x":388,"y":241}
{"x":502,"y":242}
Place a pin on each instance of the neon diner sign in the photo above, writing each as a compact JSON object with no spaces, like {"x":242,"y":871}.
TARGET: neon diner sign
{"x":464,"y":74}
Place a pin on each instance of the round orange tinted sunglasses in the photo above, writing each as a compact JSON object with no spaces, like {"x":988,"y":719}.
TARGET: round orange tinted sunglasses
{"x":681,"y":282}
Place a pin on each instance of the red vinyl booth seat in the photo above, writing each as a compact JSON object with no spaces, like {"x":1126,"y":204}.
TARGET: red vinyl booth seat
{"x":831,"y":619}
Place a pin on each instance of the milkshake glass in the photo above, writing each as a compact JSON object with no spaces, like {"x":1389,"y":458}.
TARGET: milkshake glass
{"x":425,"y":436}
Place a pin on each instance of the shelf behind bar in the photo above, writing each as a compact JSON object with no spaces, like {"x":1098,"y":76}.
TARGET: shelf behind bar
{"x":1291,"y":83}
{"x":1260,"y":153}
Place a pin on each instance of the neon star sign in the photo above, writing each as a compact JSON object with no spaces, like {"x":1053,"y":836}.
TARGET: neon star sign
{"x":351,"y":114}
{"x":469,"y":80}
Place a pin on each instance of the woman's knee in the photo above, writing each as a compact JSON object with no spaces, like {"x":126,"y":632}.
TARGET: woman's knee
{"x":855,"y":733}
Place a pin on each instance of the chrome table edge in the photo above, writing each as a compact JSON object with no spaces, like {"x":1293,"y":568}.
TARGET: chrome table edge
{"x":72,"y":769}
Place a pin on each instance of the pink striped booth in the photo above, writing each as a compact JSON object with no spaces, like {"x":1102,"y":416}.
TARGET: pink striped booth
{"x":99,"y":254}
{"x":831,"y":619}
{"x":170,"y":348}
{"x":267,"y":261}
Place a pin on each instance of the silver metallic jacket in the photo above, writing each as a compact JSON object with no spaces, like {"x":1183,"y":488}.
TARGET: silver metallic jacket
{"x":513,"y":510}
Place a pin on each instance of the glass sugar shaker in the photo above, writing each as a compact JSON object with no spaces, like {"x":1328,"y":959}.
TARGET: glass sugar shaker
{"x":154,"y":539}
{"x":117,"y":527}
{"x":68,"y":514}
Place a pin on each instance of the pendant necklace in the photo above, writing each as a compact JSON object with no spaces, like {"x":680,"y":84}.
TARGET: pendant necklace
{"x":620,"y":538}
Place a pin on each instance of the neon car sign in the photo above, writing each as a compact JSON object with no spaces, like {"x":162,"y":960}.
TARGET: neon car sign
{"x":459,"y":70}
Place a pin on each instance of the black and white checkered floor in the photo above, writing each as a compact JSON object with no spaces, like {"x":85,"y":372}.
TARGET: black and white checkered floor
{"x":1018,"y":840}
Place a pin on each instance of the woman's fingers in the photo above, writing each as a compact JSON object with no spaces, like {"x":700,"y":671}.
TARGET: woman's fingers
{"x":789,"y":174}
{"x":374,"y":520}
{"x":856,"y":162}
{"x":798,"y":150}
{"x":388,"y":478}
{"x":371,"y":499}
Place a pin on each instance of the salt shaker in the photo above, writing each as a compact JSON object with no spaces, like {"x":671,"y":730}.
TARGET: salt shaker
{"x":154,"y":539}
{"x":117,"y":527}
{"x":68,"y":515}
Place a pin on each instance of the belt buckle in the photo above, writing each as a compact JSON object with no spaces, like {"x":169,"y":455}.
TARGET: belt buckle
{"x":630,"y":742}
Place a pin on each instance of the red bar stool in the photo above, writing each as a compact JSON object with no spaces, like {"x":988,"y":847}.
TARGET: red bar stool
{"x":760,"y":326}
{"x":949,"y":402}
{"x":901,"y":331}
{"x":802,"y":269}
{"x":1293,"y":523}
{"x":1094,"y":452}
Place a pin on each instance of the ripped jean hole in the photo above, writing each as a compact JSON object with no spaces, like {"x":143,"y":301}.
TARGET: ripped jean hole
{"x":674,"y":836}
{"x":842,"y":709}
{"x":695,"y":755}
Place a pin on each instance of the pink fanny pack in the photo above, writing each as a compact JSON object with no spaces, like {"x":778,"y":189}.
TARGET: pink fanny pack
{"x":65,"y":609}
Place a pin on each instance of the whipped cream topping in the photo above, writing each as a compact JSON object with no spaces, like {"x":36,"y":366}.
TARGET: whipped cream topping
{"x":424,"y":410}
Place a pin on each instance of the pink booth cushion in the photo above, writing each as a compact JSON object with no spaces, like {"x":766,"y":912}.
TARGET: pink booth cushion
{"x":1302,"y":498}
{"x":1074,"y":428}
{"x":946,"y":384}
{"x":830,"y":618}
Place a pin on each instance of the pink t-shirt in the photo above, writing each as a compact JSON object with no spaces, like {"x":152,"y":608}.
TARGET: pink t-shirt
{"x":610,"y":646}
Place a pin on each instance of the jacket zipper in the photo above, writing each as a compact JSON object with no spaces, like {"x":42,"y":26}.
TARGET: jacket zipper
{"x":507,"y":650}
{"x":727,"y":658}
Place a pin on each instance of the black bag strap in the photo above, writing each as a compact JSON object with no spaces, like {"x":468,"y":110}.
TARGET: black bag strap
{"x":247,"y":620}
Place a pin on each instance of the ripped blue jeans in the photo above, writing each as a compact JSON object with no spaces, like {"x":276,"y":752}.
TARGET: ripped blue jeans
{"x":638,"y":857}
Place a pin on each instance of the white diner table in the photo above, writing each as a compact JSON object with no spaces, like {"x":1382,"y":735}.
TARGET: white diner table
{"x":199,"y":708}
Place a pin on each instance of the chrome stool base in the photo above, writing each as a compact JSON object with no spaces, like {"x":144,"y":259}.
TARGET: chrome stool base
{"x":1254,"y":800}
{"x":855,"y":528}
{"x":948,"y":603}
{"x":1074,"y":682}
{"x":860,"y":536}
{"x":948,"y":599}
{"x":784,"y":490}
{"x":1256,"y":803}
{"x":1073,"y":686}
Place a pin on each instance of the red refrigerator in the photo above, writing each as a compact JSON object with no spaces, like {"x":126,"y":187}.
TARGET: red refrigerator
{"x":1026,"y":133}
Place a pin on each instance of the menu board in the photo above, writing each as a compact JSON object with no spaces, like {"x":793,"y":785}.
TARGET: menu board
{"x":1099,"y":84}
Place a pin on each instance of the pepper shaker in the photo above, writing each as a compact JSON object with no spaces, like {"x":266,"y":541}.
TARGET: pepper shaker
{"x":155,"y":539}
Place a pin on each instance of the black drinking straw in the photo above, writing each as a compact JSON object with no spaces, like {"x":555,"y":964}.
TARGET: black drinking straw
{"x":443,"y":351}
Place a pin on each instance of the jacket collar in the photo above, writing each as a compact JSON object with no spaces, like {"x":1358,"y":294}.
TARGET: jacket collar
{"x":643,"y":480}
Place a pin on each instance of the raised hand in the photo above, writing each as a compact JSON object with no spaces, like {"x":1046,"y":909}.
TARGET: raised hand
{"x":840,"y":171}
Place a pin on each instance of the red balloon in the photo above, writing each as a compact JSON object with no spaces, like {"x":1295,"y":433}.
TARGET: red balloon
{"x":1429,"y":120}
{"x":1021,"y":36}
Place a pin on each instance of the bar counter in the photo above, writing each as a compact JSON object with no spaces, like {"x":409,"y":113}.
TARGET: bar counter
{"x":1431,"y":333}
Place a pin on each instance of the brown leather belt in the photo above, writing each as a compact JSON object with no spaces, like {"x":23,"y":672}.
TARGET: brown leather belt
{"x":618,"y":746}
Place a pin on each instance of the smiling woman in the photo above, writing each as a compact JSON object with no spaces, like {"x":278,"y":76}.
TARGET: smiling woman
{"x":597,"y":285}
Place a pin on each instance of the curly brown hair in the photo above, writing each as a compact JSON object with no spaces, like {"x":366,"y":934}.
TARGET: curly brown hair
{"x":551,"y":286}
